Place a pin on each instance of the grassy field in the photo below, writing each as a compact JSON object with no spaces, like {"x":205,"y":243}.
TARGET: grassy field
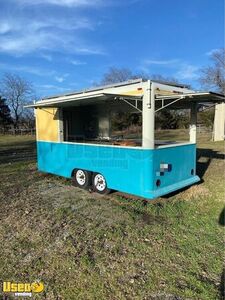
{"x":85,"y":246}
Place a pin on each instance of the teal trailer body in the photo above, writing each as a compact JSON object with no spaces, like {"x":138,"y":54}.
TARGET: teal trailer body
{"x":147,"y":173}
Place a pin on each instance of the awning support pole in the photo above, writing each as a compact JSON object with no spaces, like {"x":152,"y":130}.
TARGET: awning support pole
{"x":193,"y":123}
{"x":148,"y":116}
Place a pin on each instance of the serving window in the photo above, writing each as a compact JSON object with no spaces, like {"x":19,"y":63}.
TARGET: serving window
{"x":102,"y":124}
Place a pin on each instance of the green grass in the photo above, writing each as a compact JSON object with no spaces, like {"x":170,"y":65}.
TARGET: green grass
{"x":85,"y":246}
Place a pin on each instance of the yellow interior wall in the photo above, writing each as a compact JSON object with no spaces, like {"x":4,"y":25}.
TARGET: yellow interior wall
{"x":164,"y":92}
{"x":135,"y":92}
{"x":47,"y":124}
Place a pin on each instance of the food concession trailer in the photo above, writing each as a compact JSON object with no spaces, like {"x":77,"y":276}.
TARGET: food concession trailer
{"x":74,"y":138}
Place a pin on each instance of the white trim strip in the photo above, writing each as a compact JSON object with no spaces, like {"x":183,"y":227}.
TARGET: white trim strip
{"x":118,"y":146}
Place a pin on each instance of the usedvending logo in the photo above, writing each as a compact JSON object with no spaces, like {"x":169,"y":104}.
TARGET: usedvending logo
{"x":22,"y":289}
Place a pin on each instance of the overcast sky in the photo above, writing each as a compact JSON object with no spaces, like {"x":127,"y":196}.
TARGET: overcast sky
{"x":62,"y":45}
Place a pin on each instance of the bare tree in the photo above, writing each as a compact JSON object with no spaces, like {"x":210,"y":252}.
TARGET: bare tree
{"x":213,"y":76}
{"x":17,"y":92}
{"x":169,"y":80}
{"x":115,"y":75}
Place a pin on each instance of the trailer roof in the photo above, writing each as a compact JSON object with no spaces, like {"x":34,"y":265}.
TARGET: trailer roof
{"x":119,"y":84}
{"x":97,"y":88}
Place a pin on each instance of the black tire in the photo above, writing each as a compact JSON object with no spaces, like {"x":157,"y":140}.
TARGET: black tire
{"x":81,"y":178}
{"x":99,"y":184}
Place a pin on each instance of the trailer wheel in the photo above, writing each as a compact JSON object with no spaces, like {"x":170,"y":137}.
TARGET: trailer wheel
{"x":81,"y":178}
{"x":99,"y":184}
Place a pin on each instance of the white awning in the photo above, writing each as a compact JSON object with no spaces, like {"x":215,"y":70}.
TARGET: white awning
{"x":172,"y":101}
{"x":85,"y":99}
{"x":181,"y":101}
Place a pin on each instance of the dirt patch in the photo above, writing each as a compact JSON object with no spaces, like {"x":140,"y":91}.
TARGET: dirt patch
{"x":195,"y":191}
